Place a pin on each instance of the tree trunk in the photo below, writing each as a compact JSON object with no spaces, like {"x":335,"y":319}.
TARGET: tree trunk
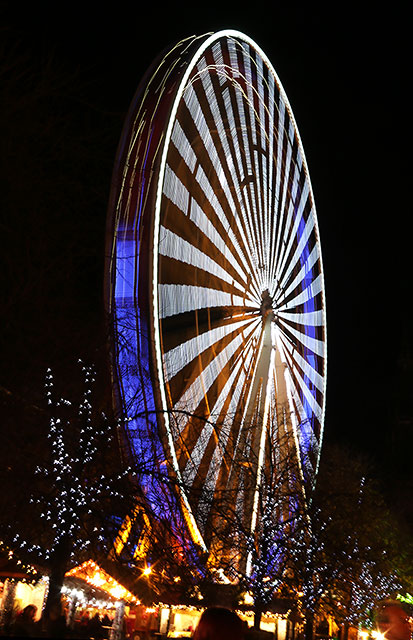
{"x":59,"y":562}
{"x":344,"y":631}
{"x":309,"y":626}
{"x":258,"y":608}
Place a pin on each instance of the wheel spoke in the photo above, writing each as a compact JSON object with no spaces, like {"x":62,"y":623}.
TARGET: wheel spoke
{"x":215,"y":270}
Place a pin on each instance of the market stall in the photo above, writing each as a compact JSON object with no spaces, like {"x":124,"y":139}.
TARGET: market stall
{"x":21,"y":584}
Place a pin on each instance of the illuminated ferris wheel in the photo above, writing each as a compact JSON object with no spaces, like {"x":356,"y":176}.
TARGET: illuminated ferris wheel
{"x":215,"y":280}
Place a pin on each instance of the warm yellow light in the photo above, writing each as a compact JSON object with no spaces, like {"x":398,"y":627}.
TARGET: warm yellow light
{"x":147,"y":571}
{"x":143,"y":545}
{"x":98,"y":579}
{"x":117,"y":591}
{"x":96,"y":576}
{"x":123,"y":534}
{"x":378,"y":635}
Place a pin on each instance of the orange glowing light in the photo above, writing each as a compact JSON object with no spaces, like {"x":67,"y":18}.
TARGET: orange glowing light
{"x":94,"y":575}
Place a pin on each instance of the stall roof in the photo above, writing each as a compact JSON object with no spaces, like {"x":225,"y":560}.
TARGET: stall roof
{"x":97,"y":577}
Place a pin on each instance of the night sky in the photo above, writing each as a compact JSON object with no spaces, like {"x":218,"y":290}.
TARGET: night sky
{"x":347,"y":79}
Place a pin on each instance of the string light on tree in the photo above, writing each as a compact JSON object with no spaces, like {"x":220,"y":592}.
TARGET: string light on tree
{"x":79,"y":485}
{"x":75,"y":491}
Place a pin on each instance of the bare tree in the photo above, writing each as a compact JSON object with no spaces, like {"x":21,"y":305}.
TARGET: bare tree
{"x":79,"y":492}
{"x":254,"y":521}
{"x":345,"y":557}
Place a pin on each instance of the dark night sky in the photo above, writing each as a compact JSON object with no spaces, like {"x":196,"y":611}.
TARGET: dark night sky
{"x":346,"y":78}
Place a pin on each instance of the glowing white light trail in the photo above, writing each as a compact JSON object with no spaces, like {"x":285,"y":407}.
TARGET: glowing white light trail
{"x":214,"y":237}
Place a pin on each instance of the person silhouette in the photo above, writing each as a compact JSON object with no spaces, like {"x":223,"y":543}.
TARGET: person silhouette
{"x":218,"y":623}
{"x":394,"y":623}
{"x":25,"y":622}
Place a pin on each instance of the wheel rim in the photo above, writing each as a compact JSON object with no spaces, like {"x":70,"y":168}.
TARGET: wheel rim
{"x":236,"y":271}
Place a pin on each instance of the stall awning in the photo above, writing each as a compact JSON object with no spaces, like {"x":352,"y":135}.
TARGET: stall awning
{"x":97,"y":577}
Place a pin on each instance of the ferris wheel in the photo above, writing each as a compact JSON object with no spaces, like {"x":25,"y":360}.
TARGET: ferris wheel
{"x":215,"y":279}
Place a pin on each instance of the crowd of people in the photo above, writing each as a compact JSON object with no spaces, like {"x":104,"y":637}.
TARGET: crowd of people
{"x":215,"y":623}
{"x":54,"y":625}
